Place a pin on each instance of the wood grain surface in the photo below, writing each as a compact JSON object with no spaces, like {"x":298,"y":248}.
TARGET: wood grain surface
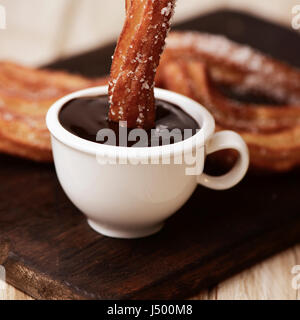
{"x":50,"y":252}
{"x":269,"y":280}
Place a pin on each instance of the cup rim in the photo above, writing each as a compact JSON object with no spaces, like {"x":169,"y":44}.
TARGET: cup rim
{"x":204,"y":119}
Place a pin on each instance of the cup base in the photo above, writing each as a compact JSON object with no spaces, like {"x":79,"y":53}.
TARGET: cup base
{"x":122,"y":234}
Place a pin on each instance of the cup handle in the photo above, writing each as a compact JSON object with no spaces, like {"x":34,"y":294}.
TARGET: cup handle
{"x":221,"y":141}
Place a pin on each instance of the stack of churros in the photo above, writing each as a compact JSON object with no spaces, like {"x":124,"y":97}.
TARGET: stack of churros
{"x":245,"y":90}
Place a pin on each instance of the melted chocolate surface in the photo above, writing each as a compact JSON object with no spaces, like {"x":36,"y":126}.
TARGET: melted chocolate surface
{"x":84,"y":117}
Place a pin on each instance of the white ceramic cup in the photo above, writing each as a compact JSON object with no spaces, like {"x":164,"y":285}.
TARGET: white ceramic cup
{"x":133,"y":200}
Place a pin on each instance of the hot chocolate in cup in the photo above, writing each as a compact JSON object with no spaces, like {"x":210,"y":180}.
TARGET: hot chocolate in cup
{"x":129,"y":192}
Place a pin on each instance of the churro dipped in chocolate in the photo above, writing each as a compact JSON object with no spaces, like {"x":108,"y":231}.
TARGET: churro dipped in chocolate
{"x":131,"y":86}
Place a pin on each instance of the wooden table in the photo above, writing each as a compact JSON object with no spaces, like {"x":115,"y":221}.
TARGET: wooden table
{"x":269,"y":280}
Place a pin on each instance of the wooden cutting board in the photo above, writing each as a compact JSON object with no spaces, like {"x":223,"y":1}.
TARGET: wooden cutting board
{"x":49,"y":251}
